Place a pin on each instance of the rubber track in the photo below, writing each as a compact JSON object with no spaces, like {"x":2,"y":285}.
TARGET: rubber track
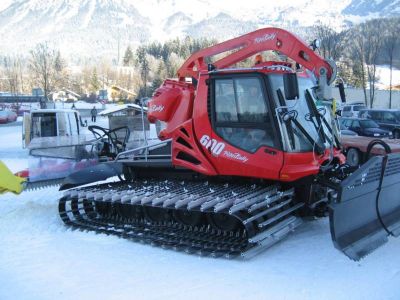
{"x":246,"y":203}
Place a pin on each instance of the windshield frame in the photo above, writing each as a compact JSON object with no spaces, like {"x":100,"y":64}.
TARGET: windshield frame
{"x":240,"y":124}
{"x":303,"y":115}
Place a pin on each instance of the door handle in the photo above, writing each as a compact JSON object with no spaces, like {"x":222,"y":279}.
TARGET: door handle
{"x":270,"y":152}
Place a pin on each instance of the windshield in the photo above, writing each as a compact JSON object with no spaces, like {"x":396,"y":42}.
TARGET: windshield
{"x":369,"y":124}
{"x":296,"y":140}
{"x":359,"y":107}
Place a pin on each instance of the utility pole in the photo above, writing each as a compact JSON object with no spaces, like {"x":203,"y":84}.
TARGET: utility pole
{"x":119,"y":38}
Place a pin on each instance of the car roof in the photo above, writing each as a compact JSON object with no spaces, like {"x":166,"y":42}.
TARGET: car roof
{"x":382,"y":109}
{"x":354,"y":104}
{"x":354,"y":118}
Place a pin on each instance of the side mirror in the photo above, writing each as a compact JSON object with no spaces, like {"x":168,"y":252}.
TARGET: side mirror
{"x":341,"y":92}
{"x":291,"y":86}
{"x":315,"y":44}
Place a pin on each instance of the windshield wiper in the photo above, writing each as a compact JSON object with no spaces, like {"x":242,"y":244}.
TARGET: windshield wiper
{"x":292,"y":116}
{"x":284,"y":111}
{"x":319,"y":118}
{"x":314,"y":113}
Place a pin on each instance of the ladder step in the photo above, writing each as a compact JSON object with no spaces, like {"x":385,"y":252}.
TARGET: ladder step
{"x":280,"y":215}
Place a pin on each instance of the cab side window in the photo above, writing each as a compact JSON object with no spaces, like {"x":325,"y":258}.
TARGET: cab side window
{"x":44,"y":125}
{"x":241,"y":113}
{"x":251,"y":103}
{"x":225,"y":104}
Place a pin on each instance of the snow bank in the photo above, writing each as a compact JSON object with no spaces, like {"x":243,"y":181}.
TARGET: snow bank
{"x":42,"y":259}
{"x":383,"y":74}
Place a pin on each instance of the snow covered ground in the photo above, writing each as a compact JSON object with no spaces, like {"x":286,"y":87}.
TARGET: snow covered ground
{"x":42,"y":259}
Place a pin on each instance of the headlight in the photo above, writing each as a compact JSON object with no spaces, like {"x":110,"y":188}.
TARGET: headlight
{"x":390,"y":133}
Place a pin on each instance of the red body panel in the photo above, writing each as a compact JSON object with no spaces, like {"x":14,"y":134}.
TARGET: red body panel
{"x":173,"y":104}
{"x":185,"y":132}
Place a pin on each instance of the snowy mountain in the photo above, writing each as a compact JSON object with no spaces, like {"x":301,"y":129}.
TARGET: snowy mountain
{"x":101,"y":27}
{"x":81,"y":27}
{"x":377,"y":8}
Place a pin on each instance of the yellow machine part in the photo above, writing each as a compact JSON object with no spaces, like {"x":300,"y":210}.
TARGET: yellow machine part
{"x":9,"y":182}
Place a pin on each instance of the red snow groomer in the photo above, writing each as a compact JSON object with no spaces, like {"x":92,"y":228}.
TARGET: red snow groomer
{"x":247,"y":155}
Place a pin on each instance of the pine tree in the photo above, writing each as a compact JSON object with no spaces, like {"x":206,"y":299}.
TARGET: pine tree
{"x":157,"y":82}
{"x":143,"y":64}
{"x":128,"y":57}
{"x":94,"y":81}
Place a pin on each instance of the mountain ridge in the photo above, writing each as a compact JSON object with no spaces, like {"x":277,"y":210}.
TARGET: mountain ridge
{"x":95,"y":28}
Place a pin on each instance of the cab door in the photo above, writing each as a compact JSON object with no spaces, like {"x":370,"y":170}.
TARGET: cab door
{"x":73,"y":123}
{"x":244,"y":139}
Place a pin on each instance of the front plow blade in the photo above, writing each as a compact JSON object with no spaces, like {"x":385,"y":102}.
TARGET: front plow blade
{"x":389,"y":197}
{"x":367,"y":208}
{"x":92,"y":174}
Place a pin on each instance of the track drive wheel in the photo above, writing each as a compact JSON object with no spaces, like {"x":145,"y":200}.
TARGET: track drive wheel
{"x":191,"y":218}
{"x":127,"y":211}
{"x":224,"y":222}
{"x":156,"y":214}
{"x":103,"y":208}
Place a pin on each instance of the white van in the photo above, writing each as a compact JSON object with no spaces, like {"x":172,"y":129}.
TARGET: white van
{"x":351,"y":110}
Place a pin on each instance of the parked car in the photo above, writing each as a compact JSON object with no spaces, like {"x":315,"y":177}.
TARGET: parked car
{"x":356,"y":148}
{"x":352,"y":110}
{"x":388,"y":119}
{"x":364,"y":127}
{"x":7,"y":116}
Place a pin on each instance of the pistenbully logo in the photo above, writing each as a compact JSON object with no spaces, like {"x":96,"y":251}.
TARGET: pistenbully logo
{"x":236,"y":156}
{"x":155,"y":108}
{"x":265,"y":37}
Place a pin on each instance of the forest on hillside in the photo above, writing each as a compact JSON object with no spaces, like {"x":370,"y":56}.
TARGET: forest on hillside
{"x":356,"y":50}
